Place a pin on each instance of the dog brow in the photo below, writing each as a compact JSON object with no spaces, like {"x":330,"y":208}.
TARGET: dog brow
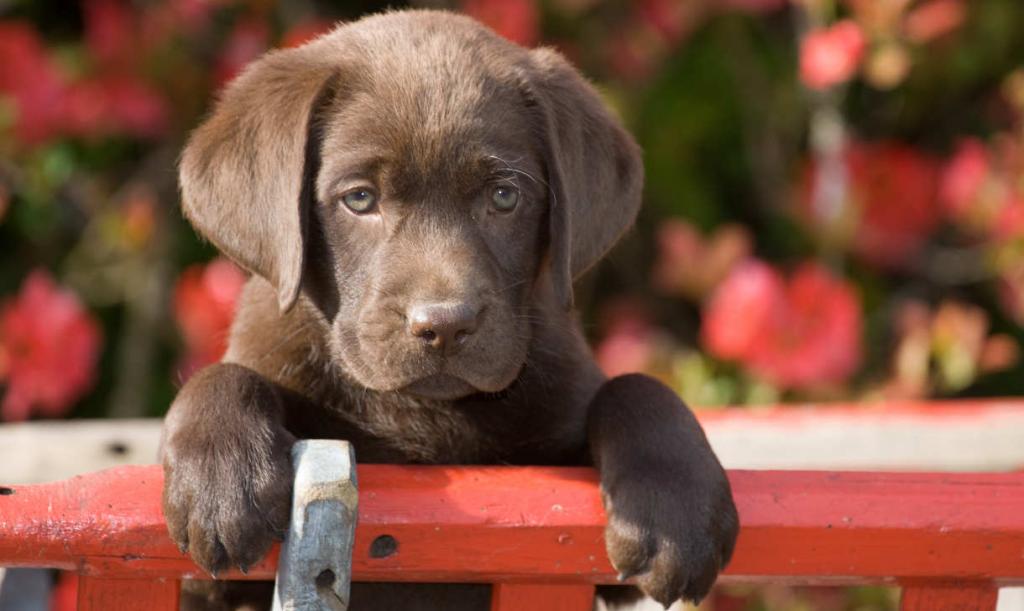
{"x":506,"y":166}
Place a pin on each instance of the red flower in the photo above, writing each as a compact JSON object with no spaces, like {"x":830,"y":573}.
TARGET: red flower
{"x":46,"y":105}
{"x":891,"y":201}
{"x":114,"y":105}
{"x":800,"y":334}
{"x":895,"y":190}
{"x":111,"y":32}
{"x":49,"y":345}
{"x":32,"y":80}
{"x":829,"y":56}
{"x":204,"y":306}
{"x":516,"y":20}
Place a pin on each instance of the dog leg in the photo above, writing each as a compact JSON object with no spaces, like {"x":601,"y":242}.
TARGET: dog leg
{"x":672,"y":523}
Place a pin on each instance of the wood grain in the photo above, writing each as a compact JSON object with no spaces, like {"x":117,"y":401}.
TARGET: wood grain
{"x":511,"y":524}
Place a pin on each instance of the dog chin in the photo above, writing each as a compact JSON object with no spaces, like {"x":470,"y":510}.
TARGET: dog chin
{"x":441,"y":387}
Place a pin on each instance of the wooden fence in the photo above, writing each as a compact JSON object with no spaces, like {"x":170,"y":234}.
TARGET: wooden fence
{"x":948,"y":540}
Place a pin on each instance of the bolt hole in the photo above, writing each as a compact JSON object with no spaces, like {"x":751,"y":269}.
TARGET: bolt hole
{"x":383,"y":546}
{"x":325,"y":579}
{"x":117,"y":448}
{"x":5,"y":491}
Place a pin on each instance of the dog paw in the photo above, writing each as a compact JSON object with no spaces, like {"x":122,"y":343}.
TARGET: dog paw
{"x":227,"y":499}
{"x":671,"y":533}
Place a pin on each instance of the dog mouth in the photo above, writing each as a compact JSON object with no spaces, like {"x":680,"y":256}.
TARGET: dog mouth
{"x":441,"y":386}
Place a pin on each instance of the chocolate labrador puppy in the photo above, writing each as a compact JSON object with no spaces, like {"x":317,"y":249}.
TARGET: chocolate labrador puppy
{"x":414,"y":196}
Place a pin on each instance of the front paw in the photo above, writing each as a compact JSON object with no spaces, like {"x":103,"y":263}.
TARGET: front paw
{"x":225,"y":504}
{"x":672,"y":531}
{"x":227,"y":468}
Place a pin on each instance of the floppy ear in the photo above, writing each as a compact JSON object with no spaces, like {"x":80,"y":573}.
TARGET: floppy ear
{"x":595,"y":170}
{"x":245,"y":173}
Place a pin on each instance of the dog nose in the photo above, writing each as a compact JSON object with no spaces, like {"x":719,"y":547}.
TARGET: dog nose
{"x":443,"y":326}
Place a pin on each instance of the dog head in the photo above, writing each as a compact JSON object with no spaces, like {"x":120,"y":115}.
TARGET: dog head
{"x":424,"y":183}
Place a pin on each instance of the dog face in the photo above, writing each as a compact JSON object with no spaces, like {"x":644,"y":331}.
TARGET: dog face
{"x":424,"y":183}
{"x":440,"y":228}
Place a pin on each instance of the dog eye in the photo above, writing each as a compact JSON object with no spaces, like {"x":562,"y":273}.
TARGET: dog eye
{"x":505,"y":198}
{"x":360,"y":200}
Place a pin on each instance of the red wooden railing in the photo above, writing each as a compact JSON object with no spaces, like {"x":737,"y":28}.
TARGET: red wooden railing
{"x":949,"y":540}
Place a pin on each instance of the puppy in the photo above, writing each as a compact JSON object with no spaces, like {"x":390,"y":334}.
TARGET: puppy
{"x":414,"y":196}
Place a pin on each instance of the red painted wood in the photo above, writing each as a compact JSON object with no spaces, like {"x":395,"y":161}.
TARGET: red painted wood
{"x":925,"y":412}
{"x":492,"y":524}
{"x":101,"y":594}
{"x":949,"y":597}
{"x":542,"y":597}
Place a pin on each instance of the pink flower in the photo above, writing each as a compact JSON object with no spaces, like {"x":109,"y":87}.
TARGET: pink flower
{"x":635,"y":51}
{"x":933,"y":19}
{"x":204,"y":306}
{"x":1009,"y":221}
{"x":624,"y":351}
{"x":193,"y":15}
{"x":821,"y":340}
{"x":628,"y":345}
{"x":743,"y":310}
{"x":1011,"y":293}
{"x":804,"y":333}
{"x":830,"y":56}
{"x":49,"y":345}
{"x":669,"y":18}
{"x":246,"y":42}
{"x":516,"y":20}
{"x":963,"y":176}
{"x":691,"y":265}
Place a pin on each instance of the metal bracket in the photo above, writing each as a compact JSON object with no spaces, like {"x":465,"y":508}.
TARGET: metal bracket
{"x":315,"y":569}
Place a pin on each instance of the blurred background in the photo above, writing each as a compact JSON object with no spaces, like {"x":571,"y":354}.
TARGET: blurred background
{"x":834,"y":203}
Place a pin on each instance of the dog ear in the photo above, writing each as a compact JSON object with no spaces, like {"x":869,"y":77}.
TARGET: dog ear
{"x":247,"y":173}
{"x":595,"y":170}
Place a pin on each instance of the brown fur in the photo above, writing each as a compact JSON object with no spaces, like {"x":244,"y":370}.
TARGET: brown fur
{"x":431,"y":112}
